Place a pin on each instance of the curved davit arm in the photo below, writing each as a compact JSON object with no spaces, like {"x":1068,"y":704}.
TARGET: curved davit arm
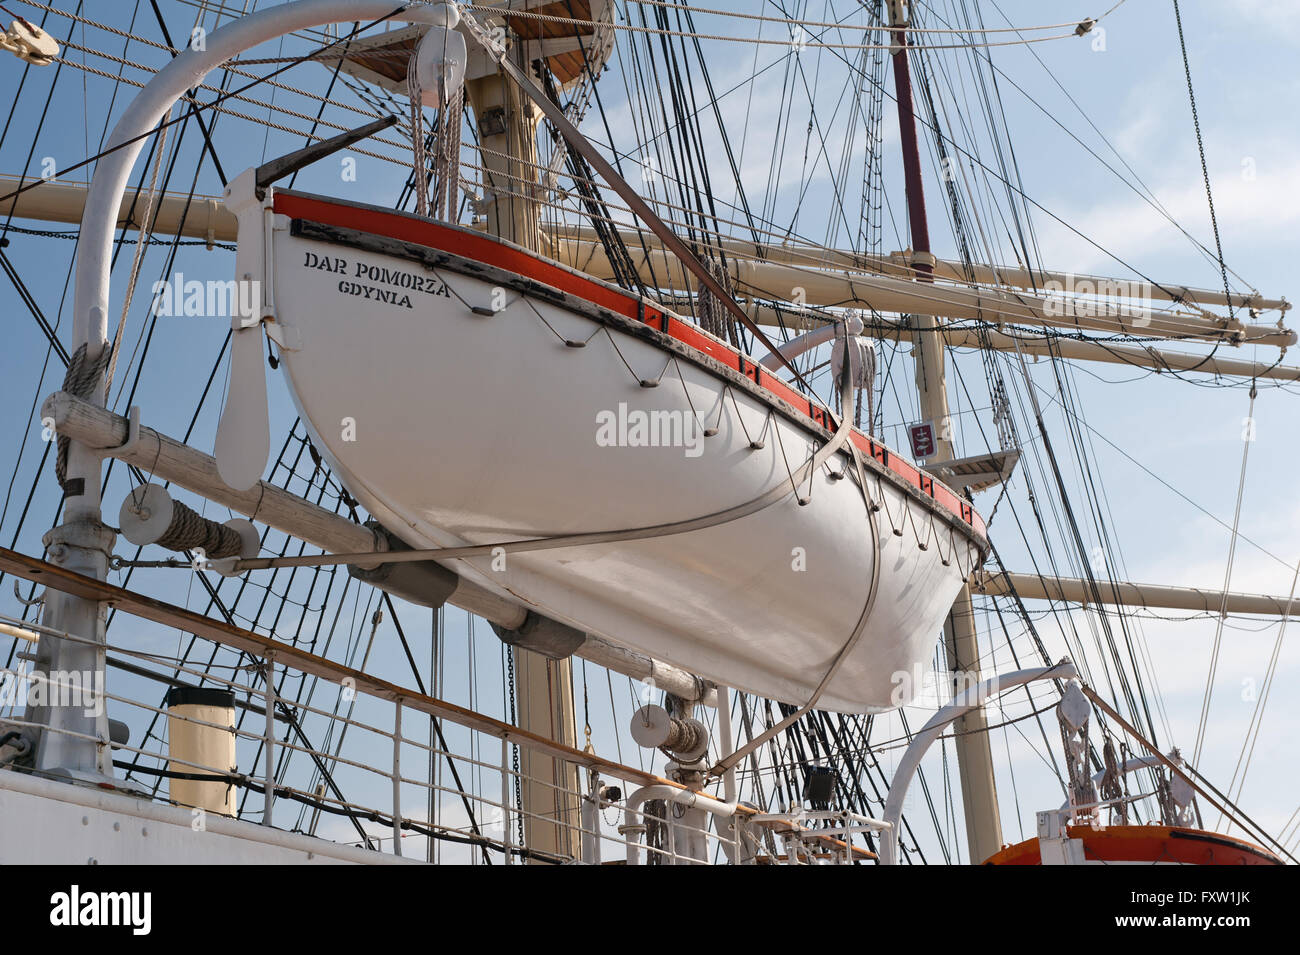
{"x":973,"y":698}
{"x":151,"y":104}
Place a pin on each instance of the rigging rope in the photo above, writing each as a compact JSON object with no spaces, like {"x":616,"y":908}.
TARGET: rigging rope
{"x":81,"y":379}
{"x":1249,"y":439}
{"x":446,"y":159}
{"x":837,"y":25}
{"x":418,"y":168}
{"x":142,"y":236}
{"x":758,"y":41}
{"x":1257,"y":717}
{"x":198,"y":107}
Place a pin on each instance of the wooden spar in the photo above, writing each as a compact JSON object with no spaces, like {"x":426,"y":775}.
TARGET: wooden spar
{"x":1028,"y":342}
{"x":205,"y":217}
{"x":895,"y":264}
{"x":821,"y":287}
{"x":839,"y":279}
{"x":1126,"y":594}
{"x":170,"y":460}
{"x":196,"y":217}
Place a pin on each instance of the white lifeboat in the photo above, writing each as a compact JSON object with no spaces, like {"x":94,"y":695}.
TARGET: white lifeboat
{"x":467,"y":391}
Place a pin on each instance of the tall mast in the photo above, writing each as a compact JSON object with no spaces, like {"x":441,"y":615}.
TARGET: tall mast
{"x":507,"y":123}
{"x":974,"y":756}
{"x":507,"y":129}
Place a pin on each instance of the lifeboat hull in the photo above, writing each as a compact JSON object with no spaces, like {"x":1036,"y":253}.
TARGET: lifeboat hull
{"x":467,"y":392}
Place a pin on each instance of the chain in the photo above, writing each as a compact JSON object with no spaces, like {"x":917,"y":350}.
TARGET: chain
{"x":514,"y":750}
{"x":1205,"y":172}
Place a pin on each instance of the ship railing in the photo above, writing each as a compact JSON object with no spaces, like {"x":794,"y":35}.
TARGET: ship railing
{"x":459,"y":790}
{"x":833,"y":841}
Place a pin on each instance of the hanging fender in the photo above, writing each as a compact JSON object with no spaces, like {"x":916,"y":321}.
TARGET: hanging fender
{"x":243,"y":442}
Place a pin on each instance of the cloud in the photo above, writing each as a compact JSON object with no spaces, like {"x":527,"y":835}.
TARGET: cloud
{"x":1269,"y":16}
{"x":1251,"y":213}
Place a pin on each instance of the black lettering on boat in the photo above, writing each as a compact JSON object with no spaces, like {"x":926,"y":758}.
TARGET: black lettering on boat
{"x":372,"y":293}
{"x":399,"y":278}
{"x":325,"y":264}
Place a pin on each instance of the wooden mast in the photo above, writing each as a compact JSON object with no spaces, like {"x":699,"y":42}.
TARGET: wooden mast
{"x":507,"y":119}
{"x":974,"y":756}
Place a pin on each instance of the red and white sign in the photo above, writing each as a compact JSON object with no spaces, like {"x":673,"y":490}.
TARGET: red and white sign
{"x":922,"y":438}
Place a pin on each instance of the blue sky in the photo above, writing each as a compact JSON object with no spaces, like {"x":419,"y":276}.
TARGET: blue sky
{"x":1133,"y":91}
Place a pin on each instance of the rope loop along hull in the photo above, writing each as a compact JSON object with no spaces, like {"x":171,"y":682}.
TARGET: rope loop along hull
{"x":466,"y":392}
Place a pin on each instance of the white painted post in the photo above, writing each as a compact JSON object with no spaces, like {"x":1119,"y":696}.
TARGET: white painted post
{"x":269,"y":741}
{"x":397,"y":777}
{"x":505,"y":800}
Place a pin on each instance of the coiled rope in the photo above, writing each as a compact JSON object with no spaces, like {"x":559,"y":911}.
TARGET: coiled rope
{"x":190,"y":530}
{"x":81,"y":380}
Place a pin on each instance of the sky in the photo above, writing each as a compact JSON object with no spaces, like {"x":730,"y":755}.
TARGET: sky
{"x":1167,"y":452}
{"x":1190,"y":437}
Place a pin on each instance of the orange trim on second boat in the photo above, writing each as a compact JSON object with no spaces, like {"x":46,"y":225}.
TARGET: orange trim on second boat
{"x":1147,"y":844}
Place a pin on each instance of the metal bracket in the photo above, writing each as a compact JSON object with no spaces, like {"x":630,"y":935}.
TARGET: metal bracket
{"x":286,"y":336}
{"x":34,"y":602}
{"x":132,"y":434}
